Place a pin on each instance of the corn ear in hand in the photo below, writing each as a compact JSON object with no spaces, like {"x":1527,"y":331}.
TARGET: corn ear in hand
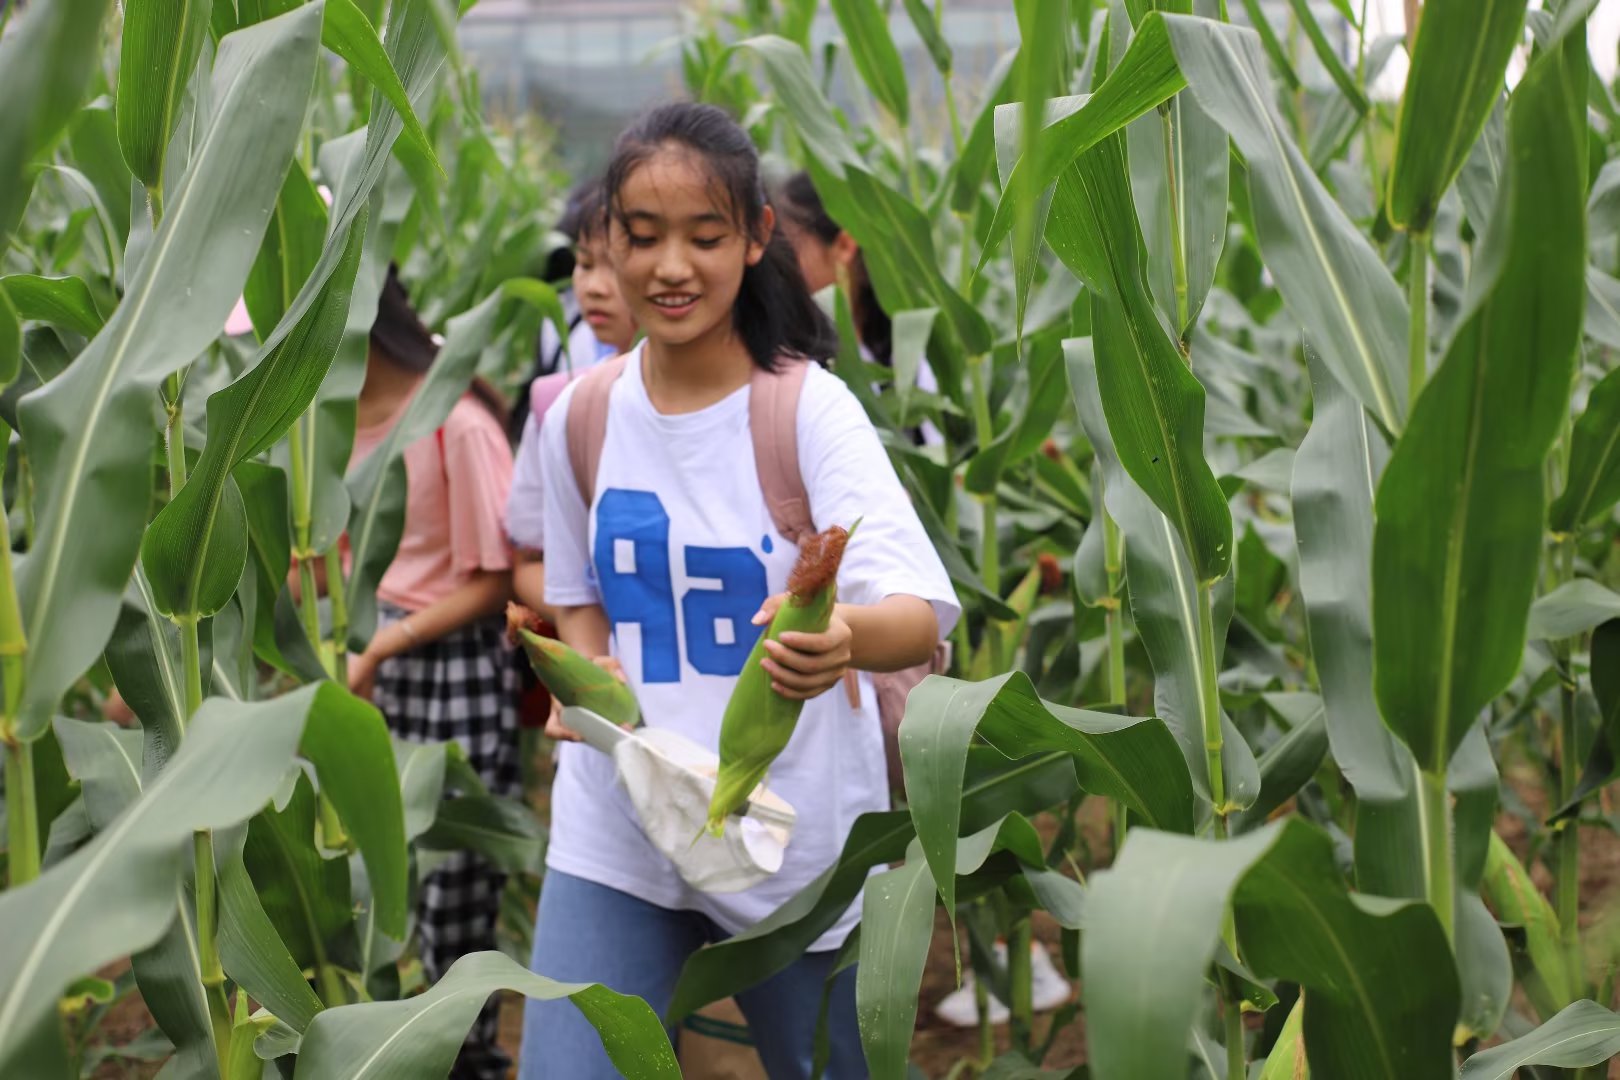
{"x":759,"y":722}
{"x":571,"y":678}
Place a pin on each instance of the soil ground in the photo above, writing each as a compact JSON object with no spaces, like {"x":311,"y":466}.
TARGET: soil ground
{"x":937,"y":1047}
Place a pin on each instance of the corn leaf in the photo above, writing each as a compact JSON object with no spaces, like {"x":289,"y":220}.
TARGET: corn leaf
{"x":11,"y":339}
{"x":933,"y":39}
{"x":169,"y":977}
{"x":92,"y":494}
{"x":1154,"y":921}
{"x":781,"y":938}
{"x":1192,"y":226}
{"x":60,"y":301}
{"x":1154,"y":404}
{"x":304,"y":896}
{"x":1593,"y":484}
{"x":504,"y":831}
{"x":1603,"y":763}
{"x":292,"y":246}
{"x":349,"y":33}
{"x":116,"y":895}
{"x":1287,"y":766}
{"x":1145,"y":77}
{"x":1459,"y":62}
{"x":1126,"y":758}
{"x":1333,"y":281}
{"x":1572,"y":609}
{"x":1460,"y":511}
{"x":1163,"y":596}
{"x":348,"y":744}
{"x":971,"y":167}
{"x":866,"y":34}
{"x":1581,"y":1035}
{"x":897,"y":921}
{"x":1273,"y":46}
{"x":418,"y":1038}
{"x":1329,"y":56}
{"x":1602,"y":308}
{"x":252,"y":953}
{"x":162,"y":40}
{"x":45,"y":61}
{"x":897,"y":924}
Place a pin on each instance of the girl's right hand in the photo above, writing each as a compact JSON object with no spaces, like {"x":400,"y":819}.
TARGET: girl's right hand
{"x":561,"y":732}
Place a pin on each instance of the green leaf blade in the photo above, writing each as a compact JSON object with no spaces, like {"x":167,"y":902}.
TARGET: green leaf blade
{"x":1459,"y":62}
{"x":160,"y":46}
{"x":1460,"y":508}
{"x":93,"y":493}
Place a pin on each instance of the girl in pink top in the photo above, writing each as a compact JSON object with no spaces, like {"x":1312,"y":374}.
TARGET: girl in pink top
{"x":437,"y":666}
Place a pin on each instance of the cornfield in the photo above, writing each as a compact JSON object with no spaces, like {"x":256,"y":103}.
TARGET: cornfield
{"x":1279,"y":479}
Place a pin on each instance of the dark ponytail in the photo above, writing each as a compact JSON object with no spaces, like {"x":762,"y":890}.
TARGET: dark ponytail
{"x":774,"y":313}
{"x":799,"y":202}
{"x":400,"y":337}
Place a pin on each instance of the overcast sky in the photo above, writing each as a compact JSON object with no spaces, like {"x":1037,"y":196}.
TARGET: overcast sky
{"x":1384,"y":17}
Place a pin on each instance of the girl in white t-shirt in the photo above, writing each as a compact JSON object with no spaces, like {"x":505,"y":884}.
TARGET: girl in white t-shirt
{"x":611,"y":329}
{"x":667,"y":573}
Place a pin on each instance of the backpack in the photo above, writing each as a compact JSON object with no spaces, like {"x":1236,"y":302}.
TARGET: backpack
{"x":773,"y":410}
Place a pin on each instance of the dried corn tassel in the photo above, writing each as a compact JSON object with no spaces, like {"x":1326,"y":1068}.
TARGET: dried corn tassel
{"x":571,"y":678}
{"x":758,"y":721}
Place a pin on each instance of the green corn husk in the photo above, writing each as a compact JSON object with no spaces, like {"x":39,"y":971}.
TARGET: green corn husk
{"x":758,"y":721}
{"x":571,"y":678}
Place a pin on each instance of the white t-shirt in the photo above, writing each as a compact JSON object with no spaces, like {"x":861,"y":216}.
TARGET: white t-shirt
{"x":680,"y":551}
{"x":525,"y":503}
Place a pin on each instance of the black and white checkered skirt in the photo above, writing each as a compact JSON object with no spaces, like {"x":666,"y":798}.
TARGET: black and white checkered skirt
{"x":461,"y":688}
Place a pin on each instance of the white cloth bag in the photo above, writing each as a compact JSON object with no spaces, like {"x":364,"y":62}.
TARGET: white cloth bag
{"x":670,"y":780}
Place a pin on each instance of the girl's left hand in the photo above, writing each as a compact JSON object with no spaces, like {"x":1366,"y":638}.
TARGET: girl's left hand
{"x":362,"y":675}
{"x":803,"y":666}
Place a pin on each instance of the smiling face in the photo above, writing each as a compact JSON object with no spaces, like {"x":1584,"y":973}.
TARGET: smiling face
{"x":680,"y":249}
{"x":597,"y":288}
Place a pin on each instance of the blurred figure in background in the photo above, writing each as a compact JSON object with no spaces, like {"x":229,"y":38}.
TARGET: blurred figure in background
{"x":612,"y":329}
{"x":828,"y":255}
{"x":437,"y":666}
{"x":555,"y":354}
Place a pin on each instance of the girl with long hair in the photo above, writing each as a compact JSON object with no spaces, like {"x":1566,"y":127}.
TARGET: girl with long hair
{"x":666,"y":567}
{"x":437,"y":666}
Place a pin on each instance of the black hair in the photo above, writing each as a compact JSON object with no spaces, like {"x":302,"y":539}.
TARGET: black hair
{"x":774,"y":313}
{"x":798,"y":201}
{"x":400,"y":337}
{"x":588,"y":214}
{"x":560,"y":263}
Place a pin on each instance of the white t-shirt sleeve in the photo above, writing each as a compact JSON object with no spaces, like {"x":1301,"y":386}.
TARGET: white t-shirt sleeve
{"x":569,"y":581}
{"x":525,"y":504}
{"x":847,"y":475}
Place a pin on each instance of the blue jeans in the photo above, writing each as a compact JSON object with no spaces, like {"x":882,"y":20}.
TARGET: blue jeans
{"x":591,"y":933}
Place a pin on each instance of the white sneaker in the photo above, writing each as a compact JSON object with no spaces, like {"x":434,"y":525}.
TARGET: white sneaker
{"x":958,"y":1008}
{"x":1049,"y":989}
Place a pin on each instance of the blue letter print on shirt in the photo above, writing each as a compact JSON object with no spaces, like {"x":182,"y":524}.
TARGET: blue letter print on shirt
{"x":641,"y":593}
{"x":638,"y":589}
{"x":741,"y":592}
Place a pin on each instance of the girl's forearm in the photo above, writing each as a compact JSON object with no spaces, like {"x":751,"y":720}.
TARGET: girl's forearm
{"x":896,"y":633}
{"x":584,"y":629}
{"x":529,"y":585}
{"x":483,"y":595}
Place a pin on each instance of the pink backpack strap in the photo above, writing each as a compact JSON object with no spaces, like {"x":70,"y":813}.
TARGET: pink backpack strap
{"x":587,"y":423}
{"x":773,"y":420}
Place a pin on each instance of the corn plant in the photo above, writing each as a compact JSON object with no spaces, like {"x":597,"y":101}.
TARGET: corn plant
{"x":250,"y":854}
{"x":1317,"y":393}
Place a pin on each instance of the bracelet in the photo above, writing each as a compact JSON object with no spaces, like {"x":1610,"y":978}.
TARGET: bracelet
{"x":405,"y":625}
